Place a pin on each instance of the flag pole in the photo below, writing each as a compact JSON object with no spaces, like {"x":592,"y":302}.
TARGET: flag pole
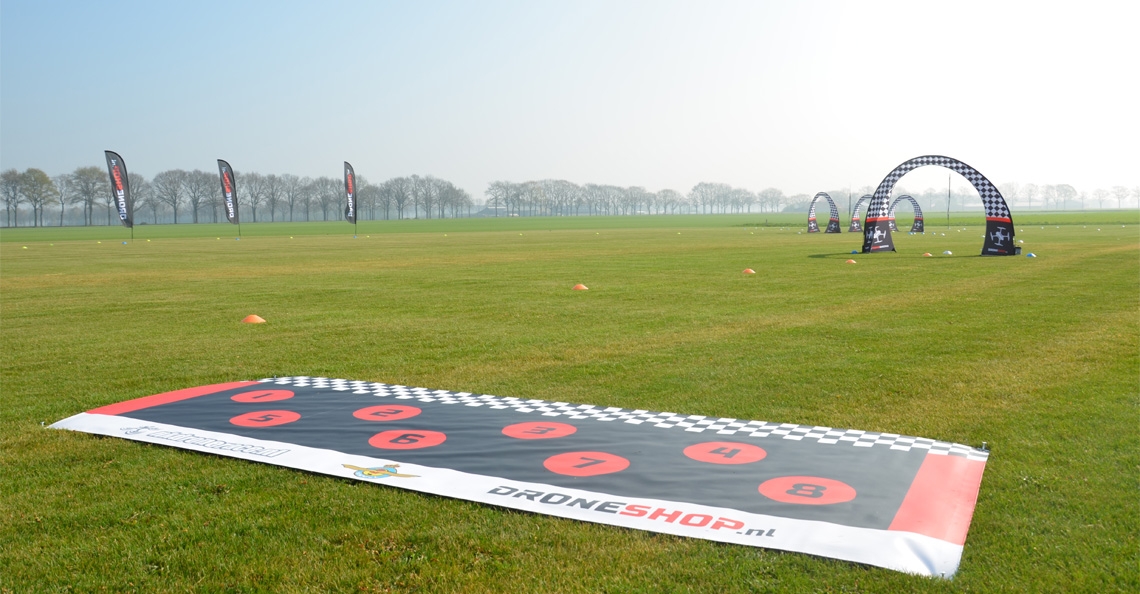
{"x":947,"y":201}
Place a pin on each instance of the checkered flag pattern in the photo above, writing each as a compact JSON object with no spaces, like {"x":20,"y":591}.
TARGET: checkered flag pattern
{"x":834,"y":211}
{"x":913,"y":202}
{"x":991,"y":198}
{"x":662,"y":420}
{"x":855,"y":226}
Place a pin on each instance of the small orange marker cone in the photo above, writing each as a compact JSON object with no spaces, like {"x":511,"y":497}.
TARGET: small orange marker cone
{"x":580,"y":287}
{"x":851,"y":261}
{"x":927,"y":255}
{"x":749,"y":271}
{"x":253,"y":319}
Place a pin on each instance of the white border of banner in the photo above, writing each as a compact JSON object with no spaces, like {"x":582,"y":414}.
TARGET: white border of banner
{"x":900,"y":551}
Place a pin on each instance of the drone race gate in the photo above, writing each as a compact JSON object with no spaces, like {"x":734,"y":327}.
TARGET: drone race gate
{"x":855,"y":226}
{"x":903,"y":503}
{"x":917,"y":227}
{"x":833,"y":215}
{"x":999,"y":223}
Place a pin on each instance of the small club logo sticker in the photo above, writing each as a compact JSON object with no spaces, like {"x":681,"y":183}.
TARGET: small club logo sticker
{"x":378,"y":473}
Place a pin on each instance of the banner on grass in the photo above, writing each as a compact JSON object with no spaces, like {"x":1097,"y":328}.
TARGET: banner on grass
{"x":903,"y":503}
{"x":229,"y":190}
{"x":120,"y":188}
{"x":350,"y":193}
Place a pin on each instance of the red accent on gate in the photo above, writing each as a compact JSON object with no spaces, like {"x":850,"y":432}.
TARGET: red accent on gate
{"x":999,"y":219}
{"x":166,"y":398}
{"x":940,"y":501}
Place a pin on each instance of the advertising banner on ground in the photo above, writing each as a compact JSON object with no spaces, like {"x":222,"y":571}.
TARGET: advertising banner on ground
{"x":882,"y":499}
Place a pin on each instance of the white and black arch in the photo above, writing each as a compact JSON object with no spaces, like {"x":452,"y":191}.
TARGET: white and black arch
{"x":917,"y":227}
{"x":999,"y":224}
{"x":855,"y":226}
{"x":832,"y":221}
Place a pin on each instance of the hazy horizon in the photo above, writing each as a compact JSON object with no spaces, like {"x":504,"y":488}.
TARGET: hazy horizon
{"x":801,"y":97}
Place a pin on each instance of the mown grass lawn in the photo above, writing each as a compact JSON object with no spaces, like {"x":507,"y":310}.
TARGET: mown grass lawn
{"x":1040,"y":358}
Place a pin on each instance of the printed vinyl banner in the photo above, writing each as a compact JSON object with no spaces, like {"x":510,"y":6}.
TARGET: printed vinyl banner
{"x":120,"y":188}
{"x":229,"y":190}
{"x":349,"y":193}
{"x":903,"y":503}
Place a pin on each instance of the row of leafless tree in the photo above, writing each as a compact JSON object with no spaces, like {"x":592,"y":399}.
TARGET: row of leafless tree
{"x":559,"y":197}
{"x":181,"y":196}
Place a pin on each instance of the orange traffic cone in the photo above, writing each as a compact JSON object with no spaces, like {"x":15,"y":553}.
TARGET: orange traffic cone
{"x":253,"y":319}
{"x":851,"y":261}
{"x":580,"y":287}
{"x":749,"y":271}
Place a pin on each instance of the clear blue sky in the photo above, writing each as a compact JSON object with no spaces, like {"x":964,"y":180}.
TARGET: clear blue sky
{"x":803,"y":96}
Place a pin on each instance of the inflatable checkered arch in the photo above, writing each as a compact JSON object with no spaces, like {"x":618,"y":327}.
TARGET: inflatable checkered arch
{"x":999,"y":224}
{"x":855,"y":226}
{"x":832,"y":221}
{"x":917,"y":227}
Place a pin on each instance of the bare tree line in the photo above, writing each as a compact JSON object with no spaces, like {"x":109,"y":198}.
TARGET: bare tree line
{"x":556,"y":197}
{"x":180,"y":196}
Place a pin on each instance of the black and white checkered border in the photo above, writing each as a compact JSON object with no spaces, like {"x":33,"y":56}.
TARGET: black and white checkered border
{"x":913,"y":202}
{"x":833,"y":213}
{"x":664,"y":420}
{"x":859,"y":205}
{"x":991,"y":198}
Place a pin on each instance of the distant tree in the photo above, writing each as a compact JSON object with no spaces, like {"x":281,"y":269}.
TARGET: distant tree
{"x":1064,"y":193}
{"x":142,"y":192}
{"x":383,"y":198}
{"x":169,"y":188}
{"x":798,"y":203}
{"x":670,"y":200}
{"x":36,"y":188}
{"x":326,"y":190}
{"x":291,"y":188}
{"x":771,"y":199}
{"x":88,"y":186}
{"x":401,"y":194}
{"x":307,"y":191}
{"x":1120,"y":193}
{"x":1009,"y":191}
{"x":199,"y":187}
{"x":1029,"y":192}
{"x":497,"y":194}
{"x":10,"y":190}
{"x":62,"y":193}
{"x":1049,"y":193}
{"x":1099,"y":195}
{"x":710,"y":195}
{"x":274,"y":194}
{"x":254,"y":186}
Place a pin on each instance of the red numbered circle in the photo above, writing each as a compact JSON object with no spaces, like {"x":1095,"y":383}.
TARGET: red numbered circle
{"x":725,"y":452}
{"x":386,"y":412}
{"x":538,"y":430}
{"x":265,"y":418}
{"x":406,"y":439}
{"x":807,"y":490}
{"x":585,"y":463}
{"x":262,"y":396}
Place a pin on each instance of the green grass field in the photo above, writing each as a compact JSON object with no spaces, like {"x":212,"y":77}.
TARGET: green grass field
{"x":1040,"y":358}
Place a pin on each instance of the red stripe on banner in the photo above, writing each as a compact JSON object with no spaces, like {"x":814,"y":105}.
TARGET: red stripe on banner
{"x":999,"y":219}
{"x":941,"y":499}
{"x":166,"y":398}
